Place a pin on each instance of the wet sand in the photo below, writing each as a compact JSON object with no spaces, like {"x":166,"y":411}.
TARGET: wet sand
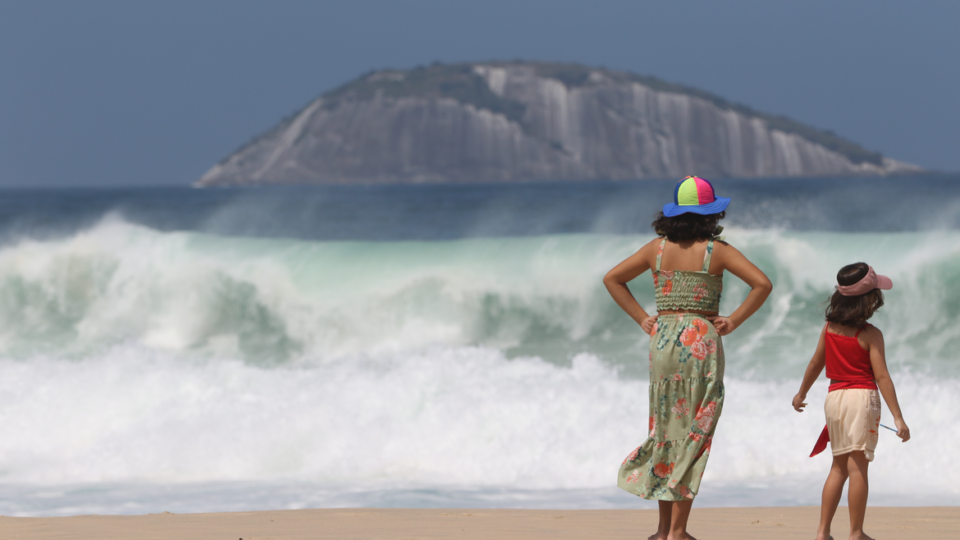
{"x":930,"y":523}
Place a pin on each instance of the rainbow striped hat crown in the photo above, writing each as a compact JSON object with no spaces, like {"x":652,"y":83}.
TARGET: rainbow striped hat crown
{"x":695,"y":194}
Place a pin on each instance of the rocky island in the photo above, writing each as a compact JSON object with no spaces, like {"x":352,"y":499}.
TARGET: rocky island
{"x":521,"y":121}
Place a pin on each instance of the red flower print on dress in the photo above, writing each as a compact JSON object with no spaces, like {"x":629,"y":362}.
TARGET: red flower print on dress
{"x":701,"y":326}
{"x":689,"y":336}
{"x":681,"y":409}
{"x":662,"y":470}
{"x":668,"y":287}
{"x":699,"y":292}
{"x":633,"y":455}
{"x":695,"y":436}
{"x":677,"y":377}
{"x":711,"y":346}
{"x":635,"y":476}
{"x":705,"y":448}
{"x":653,"y":426}
{"x":684,"y":491}
{"x":705,"y":416}
{"x":698,"y":350}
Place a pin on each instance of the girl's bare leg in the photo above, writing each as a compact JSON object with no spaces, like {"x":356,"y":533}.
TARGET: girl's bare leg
{"x":678,"y":521}
{"x":666,"y":508}
{"x":832,"y":491}
{"x":857,"y":494}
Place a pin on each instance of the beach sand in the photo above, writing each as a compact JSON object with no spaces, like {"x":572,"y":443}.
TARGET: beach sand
{"x":931,"y":523}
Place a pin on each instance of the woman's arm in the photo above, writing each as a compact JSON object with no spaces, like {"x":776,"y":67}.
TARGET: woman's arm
{"x":616,"y":282}
{"x":760,"y":287}
{"x":813,"y":372}
{"x":874,"y":338}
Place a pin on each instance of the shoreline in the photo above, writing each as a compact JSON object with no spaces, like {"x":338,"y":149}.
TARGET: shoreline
{"x":931,"y":523}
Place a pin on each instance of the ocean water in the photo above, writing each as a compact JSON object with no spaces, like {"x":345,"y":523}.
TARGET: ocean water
{"x":192,"y":351}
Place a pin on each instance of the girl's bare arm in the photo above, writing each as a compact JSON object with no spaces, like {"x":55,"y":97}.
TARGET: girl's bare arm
{"x":731,"y":259}
{"x":874,"y":339}
{"x":814,"y":368}
{"x":616,"y":282}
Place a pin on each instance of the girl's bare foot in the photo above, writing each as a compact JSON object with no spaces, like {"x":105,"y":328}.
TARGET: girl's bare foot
{"x":682,"y":536}
{"x":861,"y":536}
{"x":657,"y":536}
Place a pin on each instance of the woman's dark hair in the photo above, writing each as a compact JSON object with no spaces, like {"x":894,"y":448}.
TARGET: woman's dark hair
{"x":688,"y":226}
{"x":853,"y":310}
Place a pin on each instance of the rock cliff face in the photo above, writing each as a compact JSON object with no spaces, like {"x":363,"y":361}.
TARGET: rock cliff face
{"x":532,"y":121}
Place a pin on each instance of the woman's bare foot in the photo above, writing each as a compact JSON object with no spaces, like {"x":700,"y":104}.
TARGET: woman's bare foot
{"x":824,"y":537}
{"x":682,"y":536}
{"x":861,"y":536}
{"x":657,"y":536}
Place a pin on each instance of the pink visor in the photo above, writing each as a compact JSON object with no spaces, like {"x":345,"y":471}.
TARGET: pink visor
{"x":869,"y":282}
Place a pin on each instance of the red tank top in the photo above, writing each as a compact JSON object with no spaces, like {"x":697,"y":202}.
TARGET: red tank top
{"x":847,"y":362}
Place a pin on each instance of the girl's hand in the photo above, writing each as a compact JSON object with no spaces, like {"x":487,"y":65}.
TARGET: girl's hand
{"x":723,"y":324}
{"x":798,"y":403}
{"x":648,"y":324}
{"x":902,"y":430}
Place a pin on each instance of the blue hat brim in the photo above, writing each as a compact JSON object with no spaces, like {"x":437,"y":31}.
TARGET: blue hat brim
{"x":717,"y":206}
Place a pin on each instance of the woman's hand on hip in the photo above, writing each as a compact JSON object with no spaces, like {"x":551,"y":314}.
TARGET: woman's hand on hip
{"x":723,"y":324}
{"x":648,"y":324}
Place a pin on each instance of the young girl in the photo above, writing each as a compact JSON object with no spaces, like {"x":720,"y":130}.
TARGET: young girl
{"x":852,"y":351}
{"x":686,"y":352}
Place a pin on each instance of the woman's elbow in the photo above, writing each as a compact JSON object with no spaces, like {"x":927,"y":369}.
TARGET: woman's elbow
{"x":612,"y":279}
{"x":765,"y":285}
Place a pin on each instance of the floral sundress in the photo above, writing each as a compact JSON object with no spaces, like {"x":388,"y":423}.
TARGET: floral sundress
{"x":686,"y":387}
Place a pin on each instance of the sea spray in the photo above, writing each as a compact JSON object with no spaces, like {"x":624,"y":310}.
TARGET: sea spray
{"x":474,"y":371}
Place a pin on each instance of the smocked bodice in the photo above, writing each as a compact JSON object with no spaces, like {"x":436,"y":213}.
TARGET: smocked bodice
{"x":687,"y":290}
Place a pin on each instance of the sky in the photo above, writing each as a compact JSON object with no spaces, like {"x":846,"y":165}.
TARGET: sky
{"x":144,"y":93}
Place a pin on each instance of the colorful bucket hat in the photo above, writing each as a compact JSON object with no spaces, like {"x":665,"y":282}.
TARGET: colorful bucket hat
{"x":694,"y":194}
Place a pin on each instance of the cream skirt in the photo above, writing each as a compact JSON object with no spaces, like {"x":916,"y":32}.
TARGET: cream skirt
{"x":853,"y":419}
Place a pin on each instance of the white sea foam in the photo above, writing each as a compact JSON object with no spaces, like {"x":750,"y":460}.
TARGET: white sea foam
{"x":443,"y":420}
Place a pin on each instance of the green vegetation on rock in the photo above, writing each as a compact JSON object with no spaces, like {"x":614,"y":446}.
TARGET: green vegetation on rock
{"x":454,"y":81}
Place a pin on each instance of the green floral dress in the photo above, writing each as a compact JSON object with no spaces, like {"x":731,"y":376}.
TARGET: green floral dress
{"x":686,"y":387}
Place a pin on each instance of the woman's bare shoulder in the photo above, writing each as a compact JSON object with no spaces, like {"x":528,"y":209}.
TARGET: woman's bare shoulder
{"x":652,"y":245}
{"x":723,"y":249}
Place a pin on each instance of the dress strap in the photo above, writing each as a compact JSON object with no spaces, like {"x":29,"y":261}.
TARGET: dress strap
{"x":859,"y":330}
{"x":660,"y":252}
{"x":707,"y":255}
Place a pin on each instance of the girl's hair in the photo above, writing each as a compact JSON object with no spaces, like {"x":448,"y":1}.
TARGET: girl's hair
{"x":688,"y":226}
{"x":853,"y":310}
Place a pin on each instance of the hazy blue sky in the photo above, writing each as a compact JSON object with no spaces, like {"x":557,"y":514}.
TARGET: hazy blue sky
{"x":146,"y":93}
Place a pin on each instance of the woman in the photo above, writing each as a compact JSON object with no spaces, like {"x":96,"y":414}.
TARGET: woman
{"x":686,"y":352}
